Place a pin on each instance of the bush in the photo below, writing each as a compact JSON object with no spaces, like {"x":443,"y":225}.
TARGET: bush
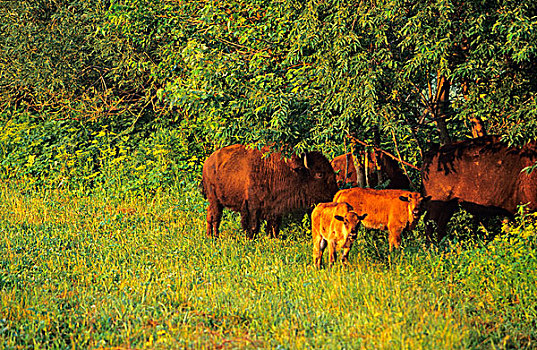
{"x":82,"y":156}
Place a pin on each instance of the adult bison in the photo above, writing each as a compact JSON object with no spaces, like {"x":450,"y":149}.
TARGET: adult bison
{"x":380,"y":168}
{"x":392,"y":210}
{"x":483,"y":175}
{"x":262,"y":186}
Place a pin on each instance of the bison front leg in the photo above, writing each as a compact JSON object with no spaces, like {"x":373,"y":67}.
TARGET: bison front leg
{"x":345,"y":256}
{"x":332,"y":255}
{"x":273,"y":226}
{"x":394,"y":237}
{"x":347,"y":246}
{"x":214,"y":216}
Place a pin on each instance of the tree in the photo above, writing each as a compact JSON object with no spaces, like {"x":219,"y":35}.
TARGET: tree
{"x":57,"y":62}
{"x":292,"y":74}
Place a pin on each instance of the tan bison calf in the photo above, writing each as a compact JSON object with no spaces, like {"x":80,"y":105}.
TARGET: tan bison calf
{"x":334,"y":225}
{"x":392,"y":210}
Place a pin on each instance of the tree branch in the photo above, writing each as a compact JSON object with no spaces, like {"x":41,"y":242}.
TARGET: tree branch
{"x":355,"y":140}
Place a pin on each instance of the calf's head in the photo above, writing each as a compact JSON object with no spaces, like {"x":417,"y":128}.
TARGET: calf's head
{"x":414,"y":206}
{"x":351,"y":222}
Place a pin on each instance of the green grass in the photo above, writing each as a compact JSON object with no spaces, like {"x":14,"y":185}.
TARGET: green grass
{"x":106,"y":272}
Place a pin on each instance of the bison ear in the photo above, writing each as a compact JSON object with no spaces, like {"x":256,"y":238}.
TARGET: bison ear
{"x":339,"y":218}
{"x":362,"y":217}
{"x":404,"y":199}
{"x":428,"y":198}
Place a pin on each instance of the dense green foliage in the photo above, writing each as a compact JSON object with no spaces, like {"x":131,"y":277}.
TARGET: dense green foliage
{"x":301,"y":74}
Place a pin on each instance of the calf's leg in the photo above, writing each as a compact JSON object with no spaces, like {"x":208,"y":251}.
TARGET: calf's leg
{"x":332,"y":255}
{"x":345,"y":255}
{"x":394,"y":237}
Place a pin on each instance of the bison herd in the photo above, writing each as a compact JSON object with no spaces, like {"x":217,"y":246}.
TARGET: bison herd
{"x":483,"y":175}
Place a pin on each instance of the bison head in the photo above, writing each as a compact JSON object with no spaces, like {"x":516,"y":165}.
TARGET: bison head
{"x":317,"y":176}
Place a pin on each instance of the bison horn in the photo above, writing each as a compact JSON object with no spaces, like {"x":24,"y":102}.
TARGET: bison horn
{"x":306,"y":160}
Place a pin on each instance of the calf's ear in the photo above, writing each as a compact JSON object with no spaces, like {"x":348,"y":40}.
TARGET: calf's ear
{"x":428,"y":198}
{"x":362,"y":217}
{"x":339,"y":218}
{"x":404,"y":199}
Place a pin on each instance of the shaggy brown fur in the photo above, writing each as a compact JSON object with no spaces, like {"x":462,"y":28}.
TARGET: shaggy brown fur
{"x":484,"y":175}
{"x":389,"y":170}
{"x":392,"y":210}
{"x":334,"y":225}
{"x":262,"y":186}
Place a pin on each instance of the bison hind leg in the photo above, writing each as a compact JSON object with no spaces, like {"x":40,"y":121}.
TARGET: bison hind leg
{"x":214,"y":216}
{"x":440,"y":213}
{"x":249,"y":220}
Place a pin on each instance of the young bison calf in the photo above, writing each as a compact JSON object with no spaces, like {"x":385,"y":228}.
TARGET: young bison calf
{"x":334,"y":225}
{"x":392,"y":210}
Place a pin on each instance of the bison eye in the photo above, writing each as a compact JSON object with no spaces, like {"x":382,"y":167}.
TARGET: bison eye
{"x":318,"y":175}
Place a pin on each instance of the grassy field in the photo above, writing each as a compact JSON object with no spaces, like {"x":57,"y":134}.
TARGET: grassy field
{"x":112,"y":272}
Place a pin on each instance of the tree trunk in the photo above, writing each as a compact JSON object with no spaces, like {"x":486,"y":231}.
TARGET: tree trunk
{"x":375,"y":156}
{"x":442,"y":108}
{"x":359,"y":166}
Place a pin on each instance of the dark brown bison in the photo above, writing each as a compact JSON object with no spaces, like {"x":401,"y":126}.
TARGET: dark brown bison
{"x":483,"y":175}
{"x":380,"y":169}
{"x":392,"y":210}
{"x":263,"y":186}
{"x":334,"y":225}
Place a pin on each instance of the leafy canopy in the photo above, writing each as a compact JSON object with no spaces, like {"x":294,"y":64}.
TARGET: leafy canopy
{"x":300,"y":75}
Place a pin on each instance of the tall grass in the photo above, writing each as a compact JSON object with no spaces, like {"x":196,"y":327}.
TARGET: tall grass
{"x":100,"y":271}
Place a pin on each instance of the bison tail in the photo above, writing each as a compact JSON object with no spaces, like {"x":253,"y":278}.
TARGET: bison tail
{"x":202,"y":189}
{"x":322,"y":244}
